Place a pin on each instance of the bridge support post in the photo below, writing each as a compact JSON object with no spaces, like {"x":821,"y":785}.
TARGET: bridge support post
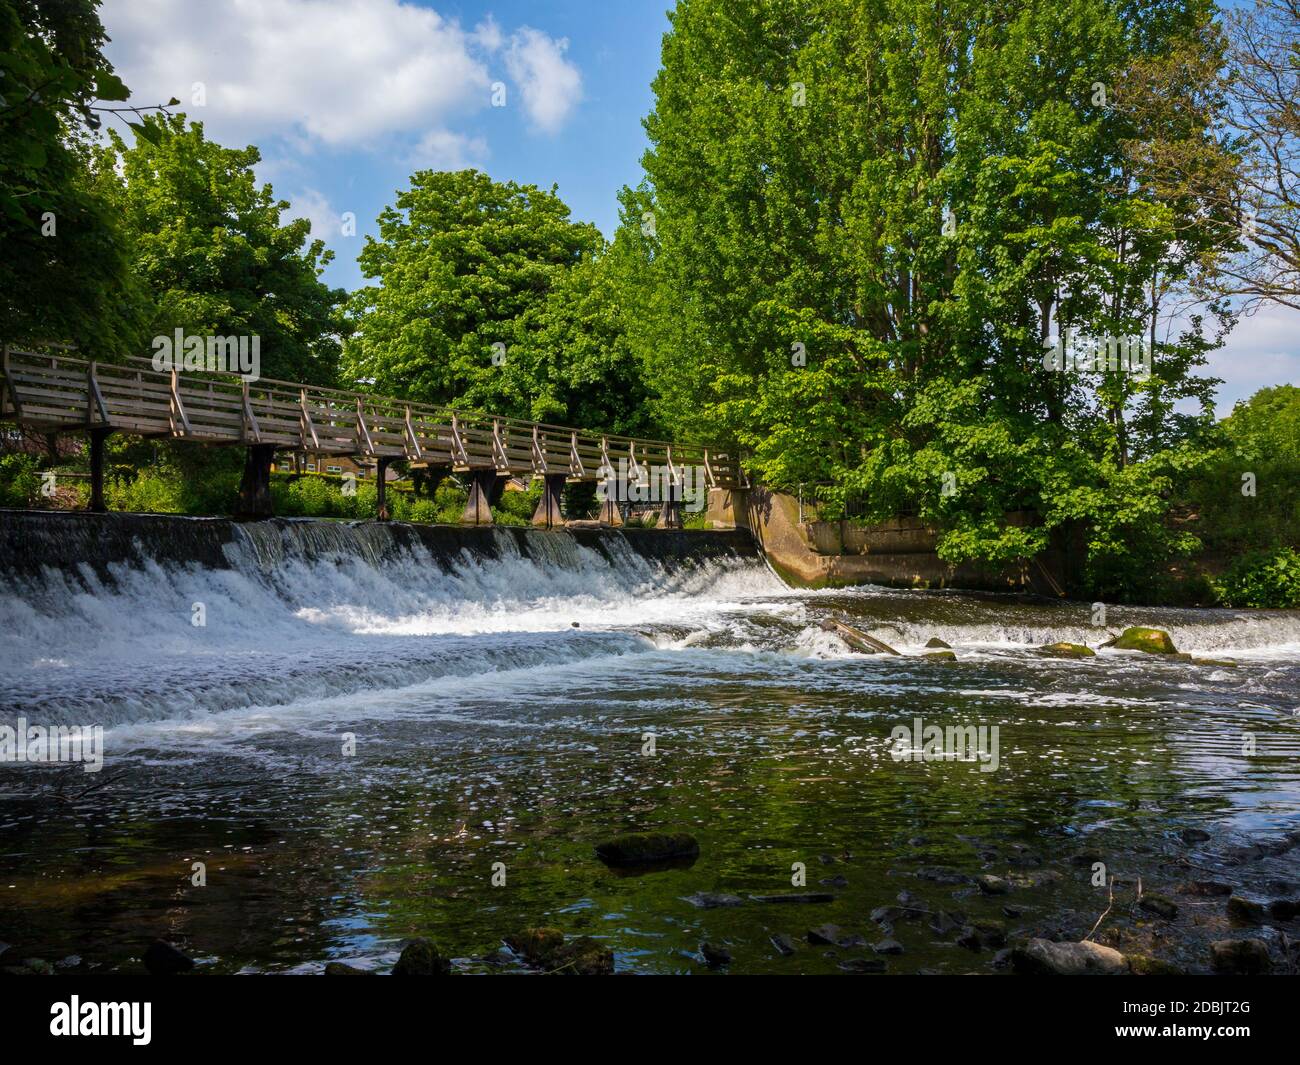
{"x":670,"y":516}
{"x":547,"y":515}
{"x":97,"y":438}
{"x":482,"y":489}
{"x":255,"y":487}
{"x":381,"y":489}
{"x":610,"y":514}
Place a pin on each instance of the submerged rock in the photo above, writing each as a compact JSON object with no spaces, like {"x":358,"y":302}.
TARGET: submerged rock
{"x":827,"y":935}
{"x":942,"y":656}
{"x":888,"y":946}
{"x":642,"y":848}
{"x":1285,"y":909}
{"x":863,"y":965}
{"x":162,"y":959}
{"x":783,"y":943}
{"x":1206,"y":888}
{"x":421,"y":958}
{"x":1241,"y":908}
{"x":1193,"y":835}
{"x":1240,"y":957}
{"x":1159,"y":905}
{"x":1138,"y":638}
{"x":1042,"y":957}
{"x":797,"y":896}
{"x":709,"y":900}
{"x":547,"y":949}
{"x":338,"y":968}
{"x":714,"y":956}
{"x":1067,"y":650}
{"x":1142,"y":965}
{"x":992,"y":885}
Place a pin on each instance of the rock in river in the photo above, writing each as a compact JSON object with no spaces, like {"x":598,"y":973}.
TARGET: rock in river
{"x":421,"y":958}
{"x":547,"y":949}
{"x":1042,"y":957}
{"x":711,"y":900}
{"x":796,"y":896}
{"x":1067,"y":650}
{"x":162,"y":959}
{"x":643,"y":848}
{"x":1137,"y":638}
{"x":1240,"y":957}
{"x":1160,"y":906}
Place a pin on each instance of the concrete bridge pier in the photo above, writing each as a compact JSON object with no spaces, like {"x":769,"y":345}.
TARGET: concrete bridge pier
{"x":484,"y":490}
{"x":255,"y":487}
{"x":547,"y":515}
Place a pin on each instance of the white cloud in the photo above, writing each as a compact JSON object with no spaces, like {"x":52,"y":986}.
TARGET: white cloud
{"x":314,"y":205}
{"x":1264,"y":349}
{"x":441,"y":149}
{"x":550,"y":85}
{"x":339,"y":74}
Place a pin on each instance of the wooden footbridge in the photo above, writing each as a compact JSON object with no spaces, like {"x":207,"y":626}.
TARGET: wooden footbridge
{"x":56,"y":393}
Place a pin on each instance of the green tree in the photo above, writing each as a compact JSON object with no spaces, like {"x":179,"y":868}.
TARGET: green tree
{"x":63,"y":267}
{"x":874,"y":213}
{"x":466,"y":267}
{"x":208,"y":242}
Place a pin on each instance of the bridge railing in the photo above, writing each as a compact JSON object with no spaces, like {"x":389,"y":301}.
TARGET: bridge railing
{"x":62,"y":393}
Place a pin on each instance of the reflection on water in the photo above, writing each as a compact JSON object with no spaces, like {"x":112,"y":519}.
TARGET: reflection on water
{"x":489,"y":729}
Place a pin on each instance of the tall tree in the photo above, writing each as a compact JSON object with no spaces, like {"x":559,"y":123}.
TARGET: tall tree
{"x":63,"y":266}
{"x":466,"y":266}
{"x":209,"y":243}
{"x":875,"y":213}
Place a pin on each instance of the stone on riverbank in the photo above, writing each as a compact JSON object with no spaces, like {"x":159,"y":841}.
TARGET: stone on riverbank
{"x":1138,"y":638}
{"x":645,"y":848}
{"x":1067,"y":650}
{"x":1042,"y":957}
{"x":1239,"y":957}
{"x":338,"y":968}
{"x":421,"y":958}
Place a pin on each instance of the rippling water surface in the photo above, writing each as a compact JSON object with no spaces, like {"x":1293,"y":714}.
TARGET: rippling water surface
{"x":489,"y":727}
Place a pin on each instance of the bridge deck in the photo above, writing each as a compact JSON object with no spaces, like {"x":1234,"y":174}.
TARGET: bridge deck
{"x":57,"y":393}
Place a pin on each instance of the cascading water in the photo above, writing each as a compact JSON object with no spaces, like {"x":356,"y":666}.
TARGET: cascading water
{"x":369,"y":715}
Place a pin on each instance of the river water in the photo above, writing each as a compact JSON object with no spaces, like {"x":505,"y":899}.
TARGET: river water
{"x":502,"y":711}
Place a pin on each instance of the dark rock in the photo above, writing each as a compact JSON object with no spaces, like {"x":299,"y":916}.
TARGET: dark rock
{"x":824,"y":935}
{"x":1011,"y":911}
{"x":1244,"y":909}
{"x":162,"y":959}
{"x":1206,"y":888}
{"x":970,"y":939}
{"x":886,"y":914}
{"x":941,"y":656}
{"x":784,"y":944}
{"x":715,"y":956}
{"x":944,"y":922}
{"x":797,"y":896}
{"x":38,"y":966}
{"x":863,"y":965}
{"x":835,"y":881}
{"x":826,"y":859}
{"x":1159,"y":905}
{"x":1281,"y":887}
{"x":708,"y":900}
{"x":338,"y":968}
{"x":1193,"y":835}
{"x":888,"y":946}
{"x":1285,"y":909}
{"x":1042,"y":957}
{"x":934,"y":641}
{"x":913,"y":906}
{"x":1086,"y":858}
{"x":1002,"y":959}
{"x":643,"y":848}
{"x":1240,"y":957}
{"x":421,"y":958}
{"x":70,"y":962}
{"x":941,"y":875}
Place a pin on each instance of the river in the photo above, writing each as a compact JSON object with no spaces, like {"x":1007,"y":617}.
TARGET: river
{"x":501,"y":713}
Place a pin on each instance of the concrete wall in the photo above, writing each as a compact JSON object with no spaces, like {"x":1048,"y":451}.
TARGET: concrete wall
{"x":899,"y":552}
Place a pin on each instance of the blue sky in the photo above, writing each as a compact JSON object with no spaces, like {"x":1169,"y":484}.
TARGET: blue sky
{"x":346,"y":98}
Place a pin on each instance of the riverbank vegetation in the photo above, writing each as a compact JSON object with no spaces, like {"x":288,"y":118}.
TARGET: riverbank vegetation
{"x":860,"y":229}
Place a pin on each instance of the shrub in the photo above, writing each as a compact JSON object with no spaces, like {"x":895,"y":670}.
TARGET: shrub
{"x":150,"y":492}
{"x":1263,"y":579}
{"x":20,"y":484}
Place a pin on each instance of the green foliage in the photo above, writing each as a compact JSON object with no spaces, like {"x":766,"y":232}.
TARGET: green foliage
{"x":20,"y":481}
{"x":1267,"y":425}
{"x":63,"y":266}
{"x":1262,"y":579}
{"x":917,"y":202}
{"x":208,"y":243}
{"x":151,"y":492}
